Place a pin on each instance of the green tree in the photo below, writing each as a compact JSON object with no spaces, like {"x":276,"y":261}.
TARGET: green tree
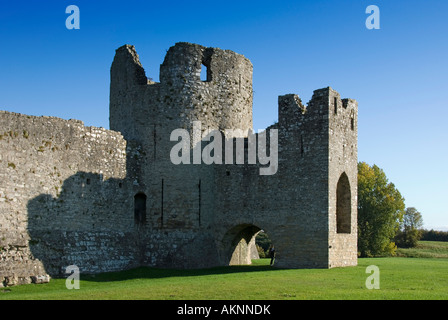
{"x":263,"y":242}
{"x":261,"y":252}
{"x":380,"y":210}
{"x":410,"y":231}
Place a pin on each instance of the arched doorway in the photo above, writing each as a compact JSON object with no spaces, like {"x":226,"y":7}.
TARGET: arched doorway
{"x":239,"y":244}
{"x":343,"y":205}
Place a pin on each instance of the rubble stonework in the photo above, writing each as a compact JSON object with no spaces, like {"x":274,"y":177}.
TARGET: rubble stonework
{"x":108,"y":200}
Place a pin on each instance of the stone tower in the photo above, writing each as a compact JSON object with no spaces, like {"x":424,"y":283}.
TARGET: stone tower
{"x":308,"y":207}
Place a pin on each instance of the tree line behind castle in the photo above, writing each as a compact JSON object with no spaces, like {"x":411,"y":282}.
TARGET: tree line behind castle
{"x":384,"y":221}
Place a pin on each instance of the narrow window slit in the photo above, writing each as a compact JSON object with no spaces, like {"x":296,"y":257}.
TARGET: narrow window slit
{"x":140,"y":209}
{"x":204,"y":73}
{"x":335,"y":105}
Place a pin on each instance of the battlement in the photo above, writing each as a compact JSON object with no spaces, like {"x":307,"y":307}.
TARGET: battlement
{"x":223,"y":100}
{"x":184,"y":61}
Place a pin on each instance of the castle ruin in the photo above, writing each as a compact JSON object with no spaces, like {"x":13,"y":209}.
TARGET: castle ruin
{"x":109,"y":200}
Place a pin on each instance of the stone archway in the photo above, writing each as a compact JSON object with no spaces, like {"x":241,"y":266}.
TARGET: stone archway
{"x":343,"y":205}
{"x":238,"y":244}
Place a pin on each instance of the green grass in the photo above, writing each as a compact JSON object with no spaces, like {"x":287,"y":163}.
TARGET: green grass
{"x":400,"y":278}
{"x":426,"y":249}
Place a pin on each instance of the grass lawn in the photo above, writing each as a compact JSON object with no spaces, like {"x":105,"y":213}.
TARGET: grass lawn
{"x":400,"y":278}
{"x":426,"y":249}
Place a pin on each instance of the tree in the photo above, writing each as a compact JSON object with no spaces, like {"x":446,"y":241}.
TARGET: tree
{"x":434,"y":235}
{"x":261,"y":252}
{"x":380,"y":210}
{"x":410,"y":232}
{"x":263,"y":242}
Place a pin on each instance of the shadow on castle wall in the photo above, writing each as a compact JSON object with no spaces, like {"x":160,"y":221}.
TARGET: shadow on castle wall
{"x":87,"y":224}
{"x":93,"y":223}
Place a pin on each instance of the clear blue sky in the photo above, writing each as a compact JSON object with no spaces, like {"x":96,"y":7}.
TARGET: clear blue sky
{"x":398,"y":74}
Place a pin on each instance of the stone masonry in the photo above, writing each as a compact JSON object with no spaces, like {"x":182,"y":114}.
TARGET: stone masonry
{"x":109,"y":200}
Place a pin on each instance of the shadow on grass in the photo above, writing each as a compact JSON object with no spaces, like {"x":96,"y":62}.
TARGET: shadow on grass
{"x":156,"y":273}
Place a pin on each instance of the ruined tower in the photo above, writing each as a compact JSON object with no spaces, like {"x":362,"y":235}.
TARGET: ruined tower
{"x":308,"y":207}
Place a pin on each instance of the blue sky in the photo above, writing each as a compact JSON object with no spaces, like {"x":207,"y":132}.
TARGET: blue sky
{"x":398,"y":74}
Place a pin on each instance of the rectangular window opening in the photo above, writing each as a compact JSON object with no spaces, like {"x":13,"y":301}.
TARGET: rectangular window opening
{"x":335,"y":105}
{"x":204,"y":73}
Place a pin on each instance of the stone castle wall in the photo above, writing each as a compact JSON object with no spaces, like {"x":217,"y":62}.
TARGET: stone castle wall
{"x":60,"y":184}
{"x":108,"y":200}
